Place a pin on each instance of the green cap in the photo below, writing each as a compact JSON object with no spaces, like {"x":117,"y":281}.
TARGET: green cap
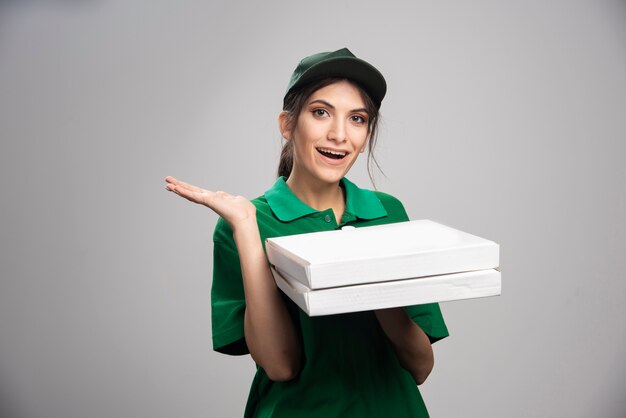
{"x":340,"y":63}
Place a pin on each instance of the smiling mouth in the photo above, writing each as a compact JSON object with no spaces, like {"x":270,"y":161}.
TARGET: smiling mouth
{"x":335,"y":155}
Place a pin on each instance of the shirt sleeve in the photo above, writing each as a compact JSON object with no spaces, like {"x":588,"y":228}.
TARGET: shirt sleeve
{"x":227,"y":295}
{"x":427,"y":316}
{"x":429,"y":319}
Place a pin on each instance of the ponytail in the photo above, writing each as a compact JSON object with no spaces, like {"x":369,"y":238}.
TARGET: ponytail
{"x":286,"y":160}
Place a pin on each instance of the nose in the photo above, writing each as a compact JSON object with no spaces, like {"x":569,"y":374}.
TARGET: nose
{"x":337,"y":131}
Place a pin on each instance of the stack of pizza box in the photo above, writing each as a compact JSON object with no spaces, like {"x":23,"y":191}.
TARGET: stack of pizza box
{"x":384,"y":266}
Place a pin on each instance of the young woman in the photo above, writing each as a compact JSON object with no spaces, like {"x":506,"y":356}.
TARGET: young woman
{"x":364,"y":364}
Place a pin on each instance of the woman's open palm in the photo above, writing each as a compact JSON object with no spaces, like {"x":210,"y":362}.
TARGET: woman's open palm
{"x":234,"y":209}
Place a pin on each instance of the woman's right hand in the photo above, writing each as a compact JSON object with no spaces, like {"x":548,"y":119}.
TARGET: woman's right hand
{"x":235,"y":210}
{"x":269,"y":332}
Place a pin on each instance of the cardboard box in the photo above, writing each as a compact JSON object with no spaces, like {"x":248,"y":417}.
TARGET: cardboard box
{"x":390,"y":294}
{"x":389,"y":252}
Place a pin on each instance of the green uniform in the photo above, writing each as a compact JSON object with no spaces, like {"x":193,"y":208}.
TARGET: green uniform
{"x":349,"y":366}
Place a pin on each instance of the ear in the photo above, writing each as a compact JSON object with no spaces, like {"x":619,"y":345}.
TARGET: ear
{"x":284,"y":126}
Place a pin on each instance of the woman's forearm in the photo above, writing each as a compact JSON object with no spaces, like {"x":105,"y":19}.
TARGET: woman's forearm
{"x":268,"y":328}
{"x":411,"y":344}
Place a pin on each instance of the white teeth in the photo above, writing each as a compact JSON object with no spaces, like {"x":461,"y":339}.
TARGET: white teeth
{"x":340,"y":153}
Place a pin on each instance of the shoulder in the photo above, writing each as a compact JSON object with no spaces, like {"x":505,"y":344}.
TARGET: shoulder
{"x":393,"y":205}
{"x":387,"y":200}
{"x":260,"y":202}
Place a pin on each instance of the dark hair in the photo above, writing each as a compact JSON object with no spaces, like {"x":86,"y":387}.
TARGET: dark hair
{"x":295,"y":101}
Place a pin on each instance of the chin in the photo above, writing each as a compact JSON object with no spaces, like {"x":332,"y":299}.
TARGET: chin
{"x":331,"y":176}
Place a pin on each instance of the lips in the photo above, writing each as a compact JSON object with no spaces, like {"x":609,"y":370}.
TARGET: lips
{"x":333,"y":154}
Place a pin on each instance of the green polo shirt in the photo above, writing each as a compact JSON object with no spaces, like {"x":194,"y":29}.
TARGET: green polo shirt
{"x":350,"y":368}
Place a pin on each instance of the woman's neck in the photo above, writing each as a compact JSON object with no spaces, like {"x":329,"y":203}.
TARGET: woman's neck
{"x":319,"y":195}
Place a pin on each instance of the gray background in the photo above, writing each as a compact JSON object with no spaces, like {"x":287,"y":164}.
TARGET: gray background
{"x":504,"y":119}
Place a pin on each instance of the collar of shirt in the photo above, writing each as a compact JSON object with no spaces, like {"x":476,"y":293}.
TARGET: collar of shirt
{"x":360,"y":203}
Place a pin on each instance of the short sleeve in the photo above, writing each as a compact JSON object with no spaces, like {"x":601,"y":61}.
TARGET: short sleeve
{"x":429,"y":319}
{"x":227,"y":295}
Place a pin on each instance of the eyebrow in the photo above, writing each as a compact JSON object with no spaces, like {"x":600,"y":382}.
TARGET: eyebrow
{"x":324,"y":102}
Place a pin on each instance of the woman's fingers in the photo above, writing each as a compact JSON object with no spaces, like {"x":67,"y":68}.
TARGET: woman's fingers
{"x":173,"y":181}
{"x":232,"y":208}
{"x":195,"y":194}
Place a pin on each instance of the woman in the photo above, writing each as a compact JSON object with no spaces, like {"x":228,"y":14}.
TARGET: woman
{"x":364,"y":364}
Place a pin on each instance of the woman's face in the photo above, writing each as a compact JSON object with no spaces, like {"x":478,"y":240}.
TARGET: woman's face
{"x":330,"y":133}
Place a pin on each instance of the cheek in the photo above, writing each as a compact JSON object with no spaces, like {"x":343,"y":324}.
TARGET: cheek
{"x":302,"y":148}
{"x":360,"y":140}
{"x":307,"y":134}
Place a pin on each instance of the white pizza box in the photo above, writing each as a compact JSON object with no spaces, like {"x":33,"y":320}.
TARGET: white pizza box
{"x":380,"y":253}
{"x":390,"y":294}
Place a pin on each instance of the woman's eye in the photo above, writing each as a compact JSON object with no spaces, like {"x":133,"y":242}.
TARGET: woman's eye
{"x":358,"y":119}
{"x":320,"y":112}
